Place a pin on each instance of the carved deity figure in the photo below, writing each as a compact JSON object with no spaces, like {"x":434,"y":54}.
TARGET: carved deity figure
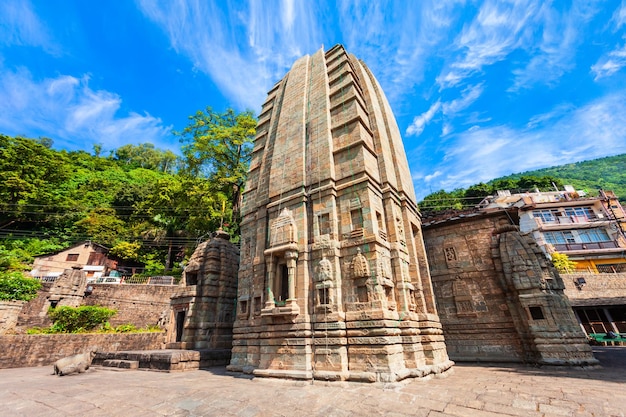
{"x":324,"y":270}
{"x":450,"y":254}
{"x":360,"y":266}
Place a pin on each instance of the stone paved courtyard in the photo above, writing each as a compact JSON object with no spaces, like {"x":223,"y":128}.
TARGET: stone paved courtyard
{"x":470,"y":390}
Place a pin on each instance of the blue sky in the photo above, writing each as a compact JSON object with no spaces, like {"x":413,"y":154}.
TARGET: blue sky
{"x":479,"y":89}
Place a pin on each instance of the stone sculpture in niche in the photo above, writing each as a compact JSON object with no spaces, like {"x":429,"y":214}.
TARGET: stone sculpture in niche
{"x":450,"y":254}
{"x":324,"y":284}
{"x":360,"y":267}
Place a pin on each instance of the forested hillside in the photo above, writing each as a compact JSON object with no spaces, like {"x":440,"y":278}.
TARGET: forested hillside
{"x":605,"y":173}
{"x":144,"y":203}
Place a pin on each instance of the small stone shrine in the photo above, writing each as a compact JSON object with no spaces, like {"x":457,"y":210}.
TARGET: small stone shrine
{"x":333,"y":281}
{"x":202,"y":311}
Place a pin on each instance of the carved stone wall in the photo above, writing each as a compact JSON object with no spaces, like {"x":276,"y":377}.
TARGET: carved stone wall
{"x":333,"y":282}
{"x":498,"y":297}
{"x":202,"y":310}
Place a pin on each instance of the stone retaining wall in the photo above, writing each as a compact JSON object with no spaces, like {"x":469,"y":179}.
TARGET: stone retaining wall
{"x":141,"y":305}
{"x":22,"y":350}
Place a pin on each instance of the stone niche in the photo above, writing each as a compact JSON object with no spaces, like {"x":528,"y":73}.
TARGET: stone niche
{"x":498,"y":297}
{"x":202,"y":311}
{"x":333,"y":282}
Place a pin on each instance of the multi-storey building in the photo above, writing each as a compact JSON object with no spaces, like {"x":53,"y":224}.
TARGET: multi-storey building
{"x":589,"y":230}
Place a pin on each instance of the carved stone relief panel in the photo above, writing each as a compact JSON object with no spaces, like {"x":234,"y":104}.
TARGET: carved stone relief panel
{"x":359,"y":267}
{"x":283,"y":229}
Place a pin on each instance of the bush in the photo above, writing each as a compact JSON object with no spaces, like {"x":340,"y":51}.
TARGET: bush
{"x":14,"y":286}
{"x":79,"y":319}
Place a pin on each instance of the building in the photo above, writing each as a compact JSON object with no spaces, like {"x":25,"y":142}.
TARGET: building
{"x":333,"y":279}
{"x":92,"y":258}
{"x":589,"y":230}
{"x":88,"y":256}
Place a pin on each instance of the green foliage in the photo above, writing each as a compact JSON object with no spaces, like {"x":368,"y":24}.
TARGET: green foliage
{"x":547,"y":179}
{"x":146,"y":156}
{"x":607,"y":173}
{"x":125,"y":328}
{"x":126,"y":250}
{"x":14,"y":286}
{"x":218,"y":146}
{"x":562,"y":263}
{"x":78,"y":319}
{"x":133,"y":201}
{"x":442,"y":200}
{"x":106,"y":328}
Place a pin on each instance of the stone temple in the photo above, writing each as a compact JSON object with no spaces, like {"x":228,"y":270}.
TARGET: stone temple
{"x":333,"y":280}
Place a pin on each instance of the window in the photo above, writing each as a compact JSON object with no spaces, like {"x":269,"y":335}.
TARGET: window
{"x":191,"y":278}
{"x":536,"y":313}
{"x":556,"y":238}
{"x":257,"y":305}
{"x":593,"y":235}
{"x":586,"y":212}
{"x":72,"y":257}
{"x":281,"y":285}
{"x":323,"y":296}
{"x":546,"y":215}
{"x":357,"y":219}
{"x":243,"y":307}
{"x":324,"y":223}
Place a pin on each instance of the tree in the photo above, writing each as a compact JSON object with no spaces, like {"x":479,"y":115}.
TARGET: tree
{"x":218,"y":146}
{"x":30,"y":175}
{"x":442,"y":200}
{"x":562,"y":263}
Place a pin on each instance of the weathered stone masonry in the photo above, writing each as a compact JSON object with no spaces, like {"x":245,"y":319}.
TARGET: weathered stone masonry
{"x":333,"y":281}
{"x":498,"y":297}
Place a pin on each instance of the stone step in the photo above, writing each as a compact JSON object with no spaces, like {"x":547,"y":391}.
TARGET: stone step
{"x":121,"y":363}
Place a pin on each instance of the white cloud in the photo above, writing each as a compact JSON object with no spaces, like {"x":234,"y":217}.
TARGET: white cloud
{"x":241,"y":47}
{"x":398,"y":40}
{"x":71,"y":113}
{"x":498,"y":29}
{"x":469,"y":95}
{"x":556,"y":51}
{"x":573,"y":134}
{"x":420,"y":122}
{"x":619,"y":17}
{"x":615,"y":60}
{"x":429,"y":178}
{"x":19,"y":25}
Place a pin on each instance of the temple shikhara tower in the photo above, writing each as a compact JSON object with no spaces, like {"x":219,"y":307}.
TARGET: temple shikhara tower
{"x":333,"y":280}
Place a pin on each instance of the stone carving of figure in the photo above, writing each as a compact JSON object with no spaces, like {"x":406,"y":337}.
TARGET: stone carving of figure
{"x":450,"y":254}
{"x":324,"y":270}
{"x":360,"y":266}
{"x":400,"y":226}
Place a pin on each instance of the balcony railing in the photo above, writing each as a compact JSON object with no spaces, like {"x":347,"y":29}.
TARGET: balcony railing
{"x":557,"y":220}
{"x":563,"y":247}
{"x":601,"y":269}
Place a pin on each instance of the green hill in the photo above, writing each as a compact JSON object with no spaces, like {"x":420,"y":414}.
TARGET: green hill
{"x":607,"y":173}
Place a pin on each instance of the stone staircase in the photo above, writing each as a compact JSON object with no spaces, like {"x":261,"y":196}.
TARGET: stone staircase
{"x":165,"y":360}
